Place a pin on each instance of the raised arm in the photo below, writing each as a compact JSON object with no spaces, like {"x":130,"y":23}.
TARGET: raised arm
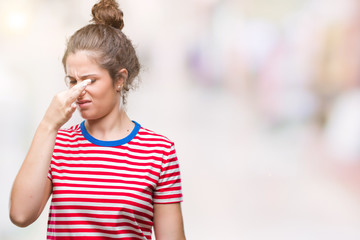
{"x":168,"y":222}
{"x":32,"y":188}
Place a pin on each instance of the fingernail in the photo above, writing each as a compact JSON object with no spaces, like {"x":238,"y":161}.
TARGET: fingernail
{"x":85,"y":82}
{"x":73,"y":105}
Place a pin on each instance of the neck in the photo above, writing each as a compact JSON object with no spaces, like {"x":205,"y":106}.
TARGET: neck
{"x":110,"y":128}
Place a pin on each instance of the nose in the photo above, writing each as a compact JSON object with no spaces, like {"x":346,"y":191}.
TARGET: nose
{"x":82,"y":94}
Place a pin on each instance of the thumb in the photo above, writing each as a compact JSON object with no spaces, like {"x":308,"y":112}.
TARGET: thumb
{"x":75,"y":92}
{"x":72,"y":108}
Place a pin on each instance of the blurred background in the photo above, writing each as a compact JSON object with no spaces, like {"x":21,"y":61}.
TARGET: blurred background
{"x":260,"y":97}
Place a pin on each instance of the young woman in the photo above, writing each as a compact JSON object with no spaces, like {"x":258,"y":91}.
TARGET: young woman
{"x":109,"y":177}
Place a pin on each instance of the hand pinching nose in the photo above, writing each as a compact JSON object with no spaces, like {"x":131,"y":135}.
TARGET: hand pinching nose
{"x":86,"y":82}
{"x":82,"y":84}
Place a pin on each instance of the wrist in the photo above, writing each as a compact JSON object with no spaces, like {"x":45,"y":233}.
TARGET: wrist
{"x":48,"y":126}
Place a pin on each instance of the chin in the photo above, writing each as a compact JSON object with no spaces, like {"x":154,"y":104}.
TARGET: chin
{"x":88,"y":115}
{"x":89,"y":118}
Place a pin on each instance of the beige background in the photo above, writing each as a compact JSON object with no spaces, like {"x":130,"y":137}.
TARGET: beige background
{"x":260,"y":97}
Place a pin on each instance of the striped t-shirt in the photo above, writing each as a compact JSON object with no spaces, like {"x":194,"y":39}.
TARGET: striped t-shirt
{"x":106,"y":189}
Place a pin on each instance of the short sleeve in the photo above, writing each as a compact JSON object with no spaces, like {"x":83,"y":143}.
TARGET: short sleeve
{"x":51,"y":162}
{"x":60,"y":138}
{"x":49,"y":173}
{"x":169,"y":188}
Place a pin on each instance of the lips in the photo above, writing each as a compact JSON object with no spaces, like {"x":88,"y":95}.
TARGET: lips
{"x":83,"y":103}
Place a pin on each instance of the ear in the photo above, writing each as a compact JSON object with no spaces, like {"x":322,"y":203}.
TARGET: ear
{"x":123,"y":75}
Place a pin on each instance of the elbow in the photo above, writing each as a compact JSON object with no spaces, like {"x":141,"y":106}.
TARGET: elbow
{"x":19,"y":220}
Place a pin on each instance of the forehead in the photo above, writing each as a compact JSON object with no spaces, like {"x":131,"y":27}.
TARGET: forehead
{"x":82,"y":62}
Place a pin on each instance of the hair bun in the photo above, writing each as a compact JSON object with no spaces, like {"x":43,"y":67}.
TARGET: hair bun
{"x":108,"y":12}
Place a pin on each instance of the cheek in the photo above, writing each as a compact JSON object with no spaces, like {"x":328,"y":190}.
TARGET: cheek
{"x":102,"y":96}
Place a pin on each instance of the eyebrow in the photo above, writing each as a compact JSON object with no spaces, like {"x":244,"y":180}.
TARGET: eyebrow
{"x":83,"y":76}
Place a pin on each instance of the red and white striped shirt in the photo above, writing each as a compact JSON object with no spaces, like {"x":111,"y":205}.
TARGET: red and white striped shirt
{"x":106,"y":189}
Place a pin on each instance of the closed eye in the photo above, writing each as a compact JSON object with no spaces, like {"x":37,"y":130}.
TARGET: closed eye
{"x":70,"y":81}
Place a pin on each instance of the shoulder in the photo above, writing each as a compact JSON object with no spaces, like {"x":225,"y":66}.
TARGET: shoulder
{"x":149,"y":136}
{"x":69,"y":131}
{"x":153,"y":141}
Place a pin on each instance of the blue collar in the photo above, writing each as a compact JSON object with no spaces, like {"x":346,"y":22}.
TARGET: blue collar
{"x":109,"y":143}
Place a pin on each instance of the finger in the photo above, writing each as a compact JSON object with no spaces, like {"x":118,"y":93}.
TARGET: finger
{"x":75,"y":91}
{"x":70,"y":110}
{"x":73,"y":108}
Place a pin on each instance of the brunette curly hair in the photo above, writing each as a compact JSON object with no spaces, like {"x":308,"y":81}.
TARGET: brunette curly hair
{"x":111,"y":48}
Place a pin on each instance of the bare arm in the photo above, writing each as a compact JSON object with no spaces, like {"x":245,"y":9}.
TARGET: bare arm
{"x":168,"y":222}
{"x":32,"y":188}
